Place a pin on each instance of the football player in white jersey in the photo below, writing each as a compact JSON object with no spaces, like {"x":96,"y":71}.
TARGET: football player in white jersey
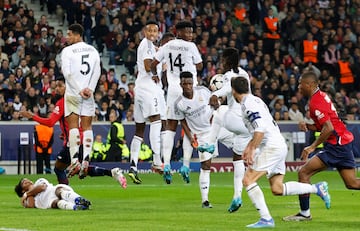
{"x":148,"y":101}
{"x":195,"y":114}
{"x":180,"y":55}
{"x":270,"y":158}
{"x":44,"y":195}
{"x":80,"y":65}
{"x":225,"y":118}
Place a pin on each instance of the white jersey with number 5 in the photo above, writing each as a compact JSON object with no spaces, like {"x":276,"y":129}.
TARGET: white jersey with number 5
{"x":180,"y":55}
{"x":80,"y":64}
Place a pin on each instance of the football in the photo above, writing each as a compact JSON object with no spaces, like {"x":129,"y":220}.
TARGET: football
{"x":216,"y":82}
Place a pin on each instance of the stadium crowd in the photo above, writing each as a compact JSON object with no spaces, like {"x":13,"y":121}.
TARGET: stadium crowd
{"x":277,"y":40}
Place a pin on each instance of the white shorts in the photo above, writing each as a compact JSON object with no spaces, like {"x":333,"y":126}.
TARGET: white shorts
{"x":147,"y":103}
{"x":44,"y":199}
{"x":172,"y":95}
{"x":226,"y":138}
{"x":79,"y":105}
{"x":271,"y":158}
{"x":162,"y":105}
{"x":203,"y":138}
{"x":240,"y":143}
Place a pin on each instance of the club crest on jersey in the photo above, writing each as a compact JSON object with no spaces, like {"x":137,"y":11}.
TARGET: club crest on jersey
{"x":201,"y":99}
{"x":253,"y":116}
{"x":319,"y":115}
{"x":188,"y":108}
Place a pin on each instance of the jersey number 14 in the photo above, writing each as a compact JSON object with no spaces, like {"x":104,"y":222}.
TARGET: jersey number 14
{"x":177,"y":62}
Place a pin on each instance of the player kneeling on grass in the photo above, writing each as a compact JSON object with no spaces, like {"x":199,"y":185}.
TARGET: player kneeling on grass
{"x":44,"y":195}
{"x":192,"y":106}
{"x":270,"y":159}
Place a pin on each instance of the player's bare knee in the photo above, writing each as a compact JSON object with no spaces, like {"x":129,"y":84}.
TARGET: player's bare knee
{"x":303,"y":176}
{"x":277,"y":190}
{"x":205,"y":165}
{"x":246,"y":181}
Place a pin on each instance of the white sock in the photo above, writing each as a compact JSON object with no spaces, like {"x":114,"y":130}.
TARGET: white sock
{"x":168,"y":143}
{"x":88,"y":139}
{"x":134,"y":151}
{"x":162,"y":133}
{"x":204,"y":183}
{"x":74,"y":143}
{"x":69,"y":195}
{"x":155,"y":140}
{"x":298,"y":188}
{"x":306,"y":213}
{"x":66,"y":205}
{"x":187,"y":151}
{"x":258,"y":200}
{"x":239,"y":171}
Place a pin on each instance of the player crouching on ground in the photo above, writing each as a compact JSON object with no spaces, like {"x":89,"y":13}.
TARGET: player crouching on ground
{"x":44,"y":195}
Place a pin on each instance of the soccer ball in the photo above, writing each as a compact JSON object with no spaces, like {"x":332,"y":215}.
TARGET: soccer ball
{"x":216,"y":82}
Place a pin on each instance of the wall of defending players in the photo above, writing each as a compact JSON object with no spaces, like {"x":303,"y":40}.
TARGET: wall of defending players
{"x":10,"y":139}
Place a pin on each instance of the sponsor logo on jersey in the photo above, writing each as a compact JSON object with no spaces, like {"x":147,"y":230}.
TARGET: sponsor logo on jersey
{"x":319,"y":115}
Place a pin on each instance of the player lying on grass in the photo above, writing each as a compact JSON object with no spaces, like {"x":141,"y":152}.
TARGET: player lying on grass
{"x":44,"y":195}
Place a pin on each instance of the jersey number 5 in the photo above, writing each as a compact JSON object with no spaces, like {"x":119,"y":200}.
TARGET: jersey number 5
{"x":84,"y":62}
{"x":177,"y":62}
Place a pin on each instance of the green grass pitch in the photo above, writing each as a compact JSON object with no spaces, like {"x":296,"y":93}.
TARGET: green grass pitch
{"x":154,"y":205}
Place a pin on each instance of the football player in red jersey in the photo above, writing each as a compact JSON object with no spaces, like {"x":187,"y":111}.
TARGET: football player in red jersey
{"x":338,"y":141}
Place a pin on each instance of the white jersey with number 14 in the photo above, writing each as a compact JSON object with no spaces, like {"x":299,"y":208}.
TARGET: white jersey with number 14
{"x":180,"y":56}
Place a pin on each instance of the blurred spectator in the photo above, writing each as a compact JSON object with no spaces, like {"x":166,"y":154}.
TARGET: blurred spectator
{"x":3,"y":55}
{"x":123,"y":83}
{"x":271,"y":31}
{"x":5,"y":69}
{"x":118,"y":45}
{"x":124,"y":101}
{"x":103,"y":112}
{"x":331,"y":58}
{"x":129,"y":56}
{"x":100,"y":32}
{"x":295,"y":114}
{"x":17,"y":103}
